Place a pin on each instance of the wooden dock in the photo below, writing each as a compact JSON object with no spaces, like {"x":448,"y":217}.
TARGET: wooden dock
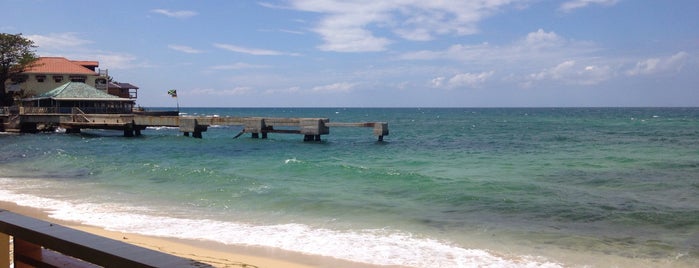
{"x":133,"y":124}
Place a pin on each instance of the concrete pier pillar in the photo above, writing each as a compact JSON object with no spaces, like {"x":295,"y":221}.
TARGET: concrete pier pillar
{"x":128,"y":132}
{"x":256,"y":126}
{"x":186,"y":134}
{"x":312,"y":128}
{"x":380,"y":130}
{"x":138,"y":132}
{"x":192,"y":125}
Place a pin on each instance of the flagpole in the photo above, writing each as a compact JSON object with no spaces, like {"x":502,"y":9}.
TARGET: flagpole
{"x":173,"y":93}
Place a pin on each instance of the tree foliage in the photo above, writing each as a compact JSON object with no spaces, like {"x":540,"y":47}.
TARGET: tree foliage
{"x":16,"y":55}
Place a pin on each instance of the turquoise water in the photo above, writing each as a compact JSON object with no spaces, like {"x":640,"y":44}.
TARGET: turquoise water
{"x":447,"y":187}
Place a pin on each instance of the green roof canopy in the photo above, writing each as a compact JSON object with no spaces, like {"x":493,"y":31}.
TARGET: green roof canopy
{"x":77,"y":91}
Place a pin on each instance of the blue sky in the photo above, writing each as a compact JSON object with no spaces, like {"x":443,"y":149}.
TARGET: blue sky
{"x":373,"y":53}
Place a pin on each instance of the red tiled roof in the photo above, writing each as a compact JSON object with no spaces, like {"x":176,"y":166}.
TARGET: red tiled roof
{"x":60,"y":65}
{"x":87,"y":63}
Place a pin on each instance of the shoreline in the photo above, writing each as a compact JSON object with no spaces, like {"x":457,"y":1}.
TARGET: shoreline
{"x":223,"y":255}
{"x":216,"y":254}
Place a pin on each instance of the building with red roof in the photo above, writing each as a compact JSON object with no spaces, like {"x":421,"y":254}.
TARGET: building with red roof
{"x":48,"y":73}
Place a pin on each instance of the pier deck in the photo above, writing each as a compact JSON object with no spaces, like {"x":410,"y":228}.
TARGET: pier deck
{"x":132,"y":124}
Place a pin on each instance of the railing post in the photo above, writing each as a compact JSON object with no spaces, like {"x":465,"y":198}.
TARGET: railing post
{"x":25,"y":253}
{"x":4,"y":250}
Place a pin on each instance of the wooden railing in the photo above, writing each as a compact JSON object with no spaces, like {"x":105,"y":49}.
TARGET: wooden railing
{"x":79,"y":115}
{"x":37,"y":243}
{"x":39,"y":110}
{"x":70,"y":110}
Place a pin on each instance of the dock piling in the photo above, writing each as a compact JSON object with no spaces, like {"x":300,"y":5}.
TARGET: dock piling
{"x":188,"y":125}
{"x":380,"y":130}
{"x":255,"y":126}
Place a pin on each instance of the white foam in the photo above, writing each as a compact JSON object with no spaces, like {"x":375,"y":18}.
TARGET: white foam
{"x":291,"y":160}
{"x":161,"y":128}
{"x":374,"y":246}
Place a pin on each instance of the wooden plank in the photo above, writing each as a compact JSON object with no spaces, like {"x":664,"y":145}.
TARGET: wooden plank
{"x":362,"y":124}
{"x":4,"y":250}
{"x":85,"y":246}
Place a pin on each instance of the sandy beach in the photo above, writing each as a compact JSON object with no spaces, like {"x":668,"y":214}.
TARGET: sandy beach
{"x":216,"y":254}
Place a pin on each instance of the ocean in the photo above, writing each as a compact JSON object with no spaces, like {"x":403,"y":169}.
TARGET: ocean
{"x":449,"y":187}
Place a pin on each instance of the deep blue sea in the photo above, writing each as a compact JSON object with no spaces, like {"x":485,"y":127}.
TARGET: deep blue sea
{"x":461,"y":187}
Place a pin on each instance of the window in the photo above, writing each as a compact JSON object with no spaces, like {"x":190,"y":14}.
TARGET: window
{"x":58,"y":78}
{"x":18,"y":79}
{"x":78,"y":78}
{"x":40,"y":78}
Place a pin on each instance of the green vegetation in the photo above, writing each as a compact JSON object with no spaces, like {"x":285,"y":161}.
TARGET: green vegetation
{"x":16,"y":55}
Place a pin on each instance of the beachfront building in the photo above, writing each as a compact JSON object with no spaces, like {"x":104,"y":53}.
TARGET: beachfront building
{"x":89,"y":100}
{"x":47,"y":73}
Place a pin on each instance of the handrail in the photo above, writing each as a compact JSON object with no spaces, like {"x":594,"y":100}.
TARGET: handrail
{"x":79,"y":113}
{"x":38,"y":243}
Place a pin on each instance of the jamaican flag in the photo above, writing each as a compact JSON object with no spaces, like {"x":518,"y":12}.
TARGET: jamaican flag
{"x":172,"y":92}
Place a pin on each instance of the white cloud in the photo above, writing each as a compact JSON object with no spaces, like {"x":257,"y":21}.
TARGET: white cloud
{"x":185,"y":49}
{"x":348,"y":26}
{"x":253,"y":51}
{"x":335,"y":88}
{"x":342,"y":39}
{"x":542,"y":39}
{"x":290,"y":90}
{"x":58,"y":41}
{"x":438,"y":81}
{"x":292,"y":32}
{"x":570,"y":72}
{"x":658,"y":65}
{"x":469,"y":79}
{"x":238,"y":66}
{"x":237,"y":91}
{"x":576,"y":4}
{"x":340,"y":87}
{"x":539,"y":50}
{"x":538,"y":46}
{"x":554,"y":73}
{"x":112,"y":60}
{"x":71,"y":46}
{"x":472,"y":80}
{"x":181,"y":14}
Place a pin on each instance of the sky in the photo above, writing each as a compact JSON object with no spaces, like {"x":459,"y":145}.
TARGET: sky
{"x":379,"y":53}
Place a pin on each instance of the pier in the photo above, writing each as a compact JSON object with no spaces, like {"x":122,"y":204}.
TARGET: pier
{"x":32,"y":119}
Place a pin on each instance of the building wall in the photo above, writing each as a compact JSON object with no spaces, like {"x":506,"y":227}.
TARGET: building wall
{"x":33,"y":86}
